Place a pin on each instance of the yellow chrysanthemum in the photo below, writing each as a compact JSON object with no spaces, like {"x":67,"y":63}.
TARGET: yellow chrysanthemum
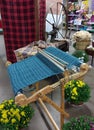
{"x":68,"y":84}
{"x":24,"y":122}
{"x":23,"y":113}
{"x":12,"y":110}
{"x":80,"y":83}
{"x":2,"y":120}
{"x":4,"y":115}
{"x":11,"y":114}
{"x":18,"y":116}
{"x":1,"y":106}
{"x":10,"y":101}
{"x":4,"y":111}
{"x":13,"y":120}
{"x":72,"y":97}
{"x":6,"y":120}
{"x":74,"y":91}
{"x":17,"y":110}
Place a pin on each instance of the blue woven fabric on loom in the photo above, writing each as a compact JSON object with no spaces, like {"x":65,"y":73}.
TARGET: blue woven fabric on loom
{"x":71,"y":60}
{"x":36,"y":68}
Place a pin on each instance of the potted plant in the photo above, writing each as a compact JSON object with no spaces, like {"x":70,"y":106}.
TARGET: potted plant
{"x":14,"y":117}
{"x":76,"y":92}
{"x":81,"y":55}
{"x":80,"y":123}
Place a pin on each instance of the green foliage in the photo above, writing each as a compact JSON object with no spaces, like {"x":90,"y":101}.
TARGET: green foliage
{"x":14,"y":117}
{"x":80,"y":123}
{"x":81,"y":55}
{"x":77,"y":91}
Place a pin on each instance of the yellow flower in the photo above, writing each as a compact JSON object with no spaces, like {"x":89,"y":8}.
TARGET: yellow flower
{"x":18,"y":116}
{"x":4,"y":115}
{"x":24,"y":122}
{"x":13,"y":120}
{"x":6,"y":120}
{"x":4,"y":101}
{"x":68,"y":84}
{"x":4,"y":111}
{"x":10,"y":101}
{"x":1,"y":106}
{"x":72,"y":97}
{"x":80,"y":83}
{"x":17,"y":110}
{"x":23,"y":113}
{"x":11,"y":114}
{"x":12,"y":110}
{"x":2,"y":120}
{"x":74,"y":91}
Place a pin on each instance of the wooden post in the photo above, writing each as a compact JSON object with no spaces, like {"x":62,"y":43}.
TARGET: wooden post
{"x":62,"y":106}
{"x":37,"y":86}
{"x":48,"y":114}
{"x":49,"y":101}
{"x":66,"y":75}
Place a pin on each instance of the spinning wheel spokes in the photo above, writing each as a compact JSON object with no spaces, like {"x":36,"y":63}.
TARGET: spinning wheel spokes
{"x":56,"y":21}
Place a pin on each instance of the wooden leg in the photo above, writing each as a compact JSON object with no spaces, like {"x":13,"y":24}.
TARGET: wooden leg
{"x":36,"y":88}
{"x":62,"y":106}
{"x":48,"y":114}
{"x":66,"y":75}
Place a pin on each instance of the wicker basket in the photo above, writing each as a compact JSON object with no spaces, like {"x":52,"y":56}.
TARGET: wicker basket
{"x":82,"y":39}
{"x":81,"y":45}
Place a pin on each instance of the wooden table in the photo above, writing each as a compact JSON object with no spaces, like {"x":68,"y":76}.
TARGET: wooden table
{"x":90,"y":51}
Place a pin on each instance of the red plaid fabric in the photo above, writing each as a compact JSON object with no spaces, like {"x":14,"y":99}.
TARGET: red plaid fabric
{"x":0,"y":24}
{"x":42,"y":18}
{"x":19,"y":24}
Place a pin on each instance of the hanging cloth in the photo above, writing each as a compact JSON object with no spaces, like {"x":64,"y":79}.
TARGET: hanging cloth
{"x":23,"y":21}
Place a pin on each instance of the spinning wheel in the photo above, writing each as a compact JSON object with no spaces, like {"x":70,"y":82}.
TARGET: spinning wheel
{"x":57,"y":22}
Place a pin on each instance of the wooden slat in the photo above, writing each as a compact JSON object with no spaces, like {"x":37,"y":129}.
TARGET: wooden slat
{"x":48,"y":114}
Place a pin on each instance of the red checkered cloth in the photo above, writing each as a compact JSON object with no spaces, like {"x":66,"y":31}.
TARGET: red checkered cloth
{"x":19,"y":24}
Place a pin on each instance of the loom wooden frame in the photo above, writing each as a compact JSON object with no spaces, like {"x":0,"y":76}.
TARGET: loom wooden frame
{"x":40,"y":95}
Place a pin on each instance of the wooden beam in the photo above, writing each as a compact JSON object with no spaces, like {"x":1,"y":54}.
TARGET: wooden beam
{"x":66,"y":75}
{"x":49,"y":101}
{"x":48,"y":114}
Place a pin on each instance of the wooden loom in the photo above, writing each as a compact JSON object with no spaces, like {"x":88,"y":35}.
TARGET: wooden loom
{"x":41,"y":95}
